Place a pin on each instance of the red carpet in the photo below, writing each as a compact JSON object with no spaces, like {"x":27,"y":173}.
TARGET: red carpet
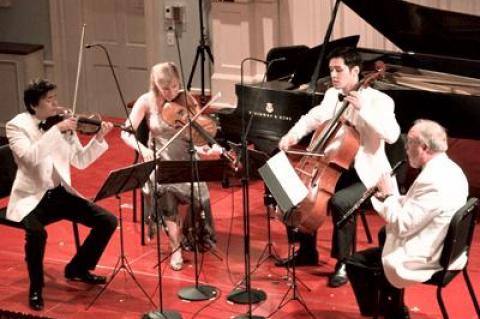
{"x":222,"y":268}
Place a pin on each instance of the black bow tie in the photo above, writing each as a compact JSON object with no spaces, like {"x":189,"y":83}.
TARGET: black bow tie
{"x":341,"y":97}
{"x":42,"y":126}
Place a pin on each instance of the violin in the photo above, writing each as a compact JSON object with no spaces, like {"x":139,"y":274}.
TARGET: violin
{"x":177,"y":113}
{"x":88,"y":124}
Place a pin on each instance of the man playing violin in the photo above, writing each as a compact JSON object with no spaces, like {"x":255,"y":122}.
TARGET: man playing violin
{"x":42,"y":191}
{"x":371,"y":113}
{"x":152,"y":107}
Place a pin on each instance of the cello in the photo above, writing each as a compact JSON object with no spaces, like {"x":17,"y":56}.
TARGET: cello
{"x":332,"y":150}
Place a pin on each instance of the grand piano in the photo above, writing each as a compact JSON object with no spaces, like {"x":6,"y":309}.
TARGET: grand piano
{"x":436,"y":76}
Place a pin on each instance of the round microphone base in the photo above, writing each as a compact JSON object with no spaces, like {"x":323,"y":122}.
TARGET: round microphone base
{"x":248,"y":316}
{"x":165,"y":314}
{"x":197,"y":293}
{"x":241,"y":296}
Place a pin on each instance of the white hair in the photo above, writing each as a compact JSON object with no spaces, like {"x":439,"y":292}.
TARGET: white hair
{"x":432,"y":134}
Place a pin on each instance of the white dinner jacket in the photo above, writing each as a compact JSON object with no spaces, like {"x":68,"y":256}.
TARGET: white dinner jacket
{"x":38,"y":155}
{"x":417,"y":223}
{"x":375,"y":123}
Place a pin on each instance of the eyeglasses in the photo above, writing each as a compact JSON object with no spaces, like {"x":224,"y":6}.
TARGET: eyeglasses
{"x":410,"y":142}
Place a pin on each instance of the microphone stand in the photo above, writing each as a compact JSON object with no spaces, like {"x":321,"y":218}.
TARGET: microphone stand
{"x":268,"y":200}
{"x":161,"y":313}
{"x":197,"y":292}
{"x":248,"y":295}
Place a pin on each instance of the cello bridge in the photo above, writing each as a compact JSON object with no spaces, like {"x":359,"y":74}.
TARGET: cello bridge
{"x":303,"y":172}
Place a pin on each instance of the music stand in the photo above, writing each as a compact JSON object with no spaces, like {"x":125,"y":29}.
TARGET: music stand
{"x":293,"y":285}
{"x":180,"y":172}
{"x":288,"y":191}
{"x":120,"y":181}
{"x":260,"y":158}
{"x":169,"y":172}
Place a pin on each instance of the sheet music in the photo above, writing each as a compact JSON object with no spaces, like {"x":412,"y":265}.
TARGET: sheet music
{"x":283,"y":182}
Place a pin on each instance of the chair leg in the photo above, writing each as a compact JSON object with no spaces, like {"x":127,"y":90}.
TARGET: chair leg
{"x":365,"y":226}
{"x":142,"y":218}
{"x":376,"y":311}
{"x":441,"y":303}
{"x":134,"y":205}
{"x":354,"y":236}
{"x":471,"y":291}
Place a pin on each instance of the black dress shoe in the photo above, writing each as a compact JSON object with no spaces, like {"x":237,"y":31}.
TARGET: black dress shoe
{"x":86,"y":277}
{"x":35,"y":300}
{"x":300,"y":258}
{"x":339,"y":277}
{"x":401,"y":313}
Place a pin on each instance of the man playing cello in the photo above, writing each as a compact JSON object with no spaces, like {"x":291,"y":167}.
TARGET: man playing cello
{"x":371,"y":113}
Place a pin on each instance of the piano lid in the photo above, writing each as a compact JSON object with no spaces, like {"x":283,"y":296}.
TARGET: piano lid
{"x":422,"y":29}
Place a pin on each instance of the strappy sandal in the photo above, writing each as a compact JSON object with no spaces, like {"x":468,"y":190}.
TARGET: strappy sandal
{"x":176,"y":260}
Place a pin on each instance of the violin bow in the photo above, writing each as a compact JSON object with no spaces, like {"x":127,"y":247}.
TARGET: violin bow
{"x":79,"y":68}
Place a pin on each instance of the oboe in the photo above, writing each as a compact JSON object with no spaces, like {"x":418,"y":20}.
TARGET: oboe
{"x":368,"y":193}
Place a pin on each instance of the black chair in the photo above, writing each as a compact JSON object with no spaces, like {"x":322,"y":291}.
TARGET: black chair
{"x":457,"y":242}
{"x":8,"y":171}
{"x":395,"y":152}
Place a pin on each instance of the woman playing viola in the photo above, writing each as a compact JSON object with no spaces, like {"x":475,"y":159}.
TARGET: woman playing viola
{"x":164,"y":88}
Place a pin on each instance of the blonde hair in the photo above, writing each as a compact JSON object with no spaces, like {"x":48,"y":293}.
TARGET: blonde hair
{"x":432,"y":134}
{"x":163,"y":74}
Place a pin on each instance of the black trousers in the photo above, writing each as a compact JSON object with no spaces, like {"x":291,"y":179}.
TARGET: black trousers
{"x":58,"y":204}
{"x":348,"y":191}
{"x":365,"y":271}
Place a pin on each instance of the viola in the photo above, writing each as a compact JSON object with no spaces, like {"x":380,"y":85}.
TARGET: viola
{"x":177,"y":113}
{"x":332,"y":149}
{"x":88,"y":124}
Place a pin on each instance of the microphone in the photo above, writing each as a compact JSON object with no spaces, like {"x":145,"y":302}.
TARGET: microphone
{"x":253,"y":59}
{"x":268,"y":64}
{"x":277,"y":60}
{"x":110,"y":64}
{"x":247,"y":124}
{"x":99,"y":45}
{"x":273,"y":61}
{"x":119,"y":90}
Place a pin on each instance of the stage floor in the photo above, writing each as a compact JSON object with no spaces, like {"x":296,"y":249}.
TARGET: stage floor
{"x":222,"y":268}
